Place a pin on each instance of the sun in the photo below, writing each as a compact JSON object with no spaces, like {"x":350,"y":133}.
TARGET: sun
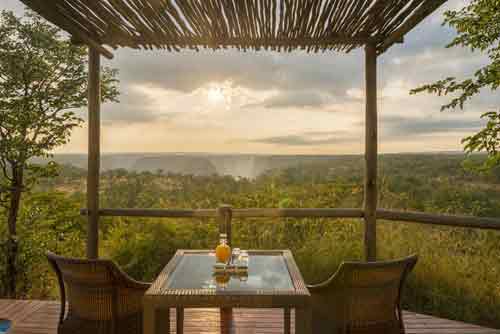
{"x":215,"y":94}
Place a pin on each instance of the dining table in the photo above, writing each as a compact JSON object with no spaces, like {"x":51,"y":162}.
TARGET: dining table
{"x":271,"y":280}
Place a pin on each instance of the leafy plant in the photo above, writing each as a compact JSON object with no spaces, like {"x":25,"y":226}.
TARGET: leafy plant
{"x":488,"y":140}
{"x":478,"y":29}
{"x":43,"y":81}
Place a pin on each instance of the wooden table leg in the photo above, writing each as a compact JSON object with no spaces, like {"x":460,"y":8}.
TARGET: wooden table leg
{"x":156,"y":321}
{"x":162,"y":321}
{"x":226,"y":320}
{"x":180,"y":320}
{"x":303,"y":320}
{"x":286,"y":319}
{"x":148,"y":319}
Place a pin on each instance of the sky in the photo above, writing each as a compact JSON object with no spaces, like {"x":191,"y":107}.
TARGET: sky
{"x":277,"y":103}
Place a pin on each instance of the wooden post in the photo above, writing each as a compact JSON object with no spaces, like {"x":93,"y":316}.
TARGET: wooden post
{"x":371,"y":152}
{"x":225,"y":213}
{"x":94,"y":119}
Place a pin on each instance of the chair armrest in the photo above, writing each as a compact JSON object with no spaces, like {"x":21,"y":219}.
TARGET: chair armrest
{"x":130,"y":293}
{"x":320,"y":287}
{"x":128,"y":281}
{"x":137,"y":285}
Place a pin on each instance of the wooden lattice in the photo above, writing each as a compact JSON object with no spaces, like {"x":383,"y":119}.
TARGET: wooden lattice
{"x":280,"y":25}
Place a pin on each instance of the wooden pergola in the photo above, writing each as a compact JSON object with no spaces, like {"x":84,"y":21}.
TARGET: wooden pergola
{"x":275,"y":25}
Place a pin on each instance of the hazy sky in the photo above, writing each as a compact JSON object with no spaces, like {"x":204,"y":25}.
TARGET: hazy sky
{"x":265,"y":102}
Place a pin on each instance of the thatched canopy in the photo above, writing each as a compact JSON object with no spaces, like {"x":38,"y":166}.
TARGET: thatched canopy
{"x":283,"y":25}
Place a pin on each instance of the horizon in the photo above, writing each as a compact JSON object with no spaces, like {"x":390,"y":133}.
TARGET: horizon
{"x":236,"y":165}
{"x":455,"y":152}
{"x":276,"y":103}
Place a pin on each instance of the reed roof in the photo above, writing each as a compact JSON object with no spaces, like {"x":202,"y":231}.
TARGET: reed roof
{"x":281,"y":25}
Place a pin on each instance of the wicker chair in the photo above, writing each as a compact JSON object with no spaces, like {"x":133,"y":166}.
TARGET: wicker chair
{"x":361,"y":298}
{"x":101,"y":298}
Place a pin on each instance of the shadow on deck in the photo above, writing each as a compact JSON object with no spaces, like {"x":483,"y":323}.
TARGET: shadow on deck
{"x":40,"y":317}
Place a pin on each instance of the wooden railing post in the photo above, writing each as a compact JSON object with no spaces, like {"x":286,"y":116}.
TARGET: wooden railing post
{"x":225,"y":213}
{"x":94,"y":151}
{"x":371,"y":153}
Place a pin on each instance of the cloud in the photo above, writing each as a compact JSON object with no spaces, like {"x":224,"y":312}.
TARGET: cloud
{"x":14,"y":5}
{"x":300,"y":99}
{"x":400,"y":126}
{"x":311,"y":138}
{"x":136,"y":106}
{"x":329,"y":73}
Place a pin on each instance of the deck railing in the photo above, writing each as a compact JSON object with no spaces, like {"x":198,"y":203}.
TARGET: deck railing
{"x":226,"y":213}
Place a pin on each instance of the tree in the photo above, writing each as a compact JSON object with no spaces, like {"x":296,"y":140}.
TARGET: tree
{"x":43,"y":82}
{"x":478,"y":29}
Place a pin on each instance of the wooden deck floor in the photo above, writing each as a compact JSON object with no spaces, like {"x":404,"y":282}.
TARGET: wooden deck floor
{"x":40,"y":317}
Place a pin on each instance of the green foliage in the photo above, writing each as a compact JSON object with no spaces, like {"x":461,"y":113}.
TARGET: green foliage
{"x":47,"y":221}
{"x":478,"y":29}
{"x":456,"y":276}
{"x":487,"y":140}
{"x":143,"y":247}
{"x":43,"y":80}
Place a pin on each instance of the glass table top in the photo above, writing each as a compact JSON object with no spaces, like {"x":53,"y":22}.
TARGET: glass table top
{"x":265,"y":272}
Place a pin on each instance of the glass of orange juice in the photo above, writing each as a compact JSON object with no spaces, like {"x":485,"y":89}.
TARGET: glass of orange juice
{"x":223,"y":251}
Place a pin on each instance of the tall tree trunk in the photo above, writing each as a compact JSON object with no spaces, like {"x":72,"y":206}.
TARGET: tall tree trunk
{"x":12,"y":242}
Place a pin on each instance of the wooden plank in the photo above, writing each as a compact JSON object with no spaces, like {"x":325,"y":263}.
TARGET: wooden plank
{"x":438,"y":219}
{"x":94,"y":151}
{"x":155,"y":213}
{"x":40,"y":317}
{"x":406,"y":216}
{"x":371,"y":154}
{"x":426,"y":9}
{"x":225,"y":213}
{"x":280,"y":25}
{"x":45,"y":10}
{"x":299,"y":213}
{"x":236,"y":213}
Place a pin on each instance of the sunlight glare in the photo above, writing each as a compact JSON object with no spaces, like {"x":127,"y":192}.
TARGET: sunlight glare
{"x":215,"y":94}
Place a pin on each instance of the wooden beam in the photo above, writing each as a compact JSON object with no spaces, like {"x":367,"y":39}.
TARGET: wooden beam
{"x":406,"y":216}
{"x":47,"y":10}
{"x":80,"y":36}
{"x":155,"y":213}
{"x":94,"y":123}
{"x":440,"y":219}
{"x":418,"y":16}
{"x":371,"y":152}
{"x":262,"y":42}
{"x":225,"y":213}
{"x":298,"y":213}
{"x":236,"y":213}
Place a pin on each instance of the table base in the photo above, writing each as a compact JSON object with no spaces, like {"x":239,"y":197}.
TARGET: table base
{"x":157,"y":321}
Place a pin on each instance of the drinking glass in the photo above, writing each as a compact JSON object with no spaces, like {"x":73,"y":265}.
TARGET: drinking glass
{"x":236,"y":256}
{"x":244,"y":258}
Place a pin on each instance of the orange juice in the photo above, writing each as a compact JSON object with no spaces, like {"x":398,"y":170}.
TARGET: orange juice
{"x":223,"y":279}
{"x":223,"y":251}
